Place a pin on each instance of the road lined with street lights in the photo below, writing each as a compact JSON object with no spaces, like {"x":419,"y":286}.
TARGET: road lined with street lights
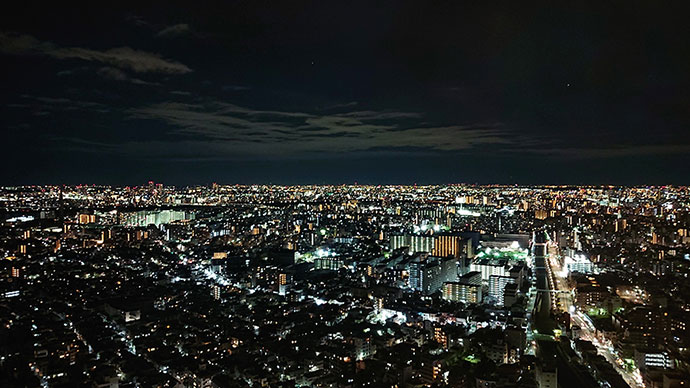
{"x":565,"y":303}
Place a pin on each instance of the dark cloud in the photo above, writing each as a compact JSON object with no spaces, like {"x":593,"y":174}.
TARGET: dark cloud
{"x":324,"y":91}
{"x":235,"y":88}
{"x":174,"y":31}
{"x":238,"y":130}
{"x":371,"y":115}
{"x":613,"y":152}
{"x":61,"y":104}
{"x":123,"y":57}
{"x":119,"y":75}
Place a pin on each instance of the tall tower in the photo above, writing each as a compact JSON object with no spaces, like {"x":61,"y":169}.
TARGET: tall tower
{"x":60,"y":205}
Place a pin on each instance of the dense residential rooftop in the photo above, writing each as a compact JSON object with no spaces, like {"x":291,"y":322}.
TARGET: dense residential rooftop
{"x":344,"y":286}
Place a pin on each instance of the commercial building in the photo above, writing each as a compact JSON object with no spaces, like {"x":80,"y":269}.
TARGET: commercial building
{"x":441,"y":245}
{"x":653,"y":358}
{"x":578,"y":263}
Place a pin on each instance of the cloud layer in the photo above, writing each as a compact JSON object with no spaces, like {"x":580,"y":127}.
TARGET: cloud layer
{"x":122,"y":57}
{"x":174,"y":31}
{"x":230,"y":130}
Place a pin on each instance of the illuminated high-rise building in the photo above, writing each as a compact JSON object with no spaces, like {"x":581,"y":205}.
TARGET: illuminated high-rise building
{"x":452,"y":245}
{"x":284,"y":283}
{"x":467,"y":289}
{"x":429,"y":275}
{"x":497,"y":285}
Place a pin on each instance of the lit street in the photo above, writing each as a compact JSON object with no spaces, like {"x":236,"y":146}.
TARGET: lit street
{"x":566,"y":304}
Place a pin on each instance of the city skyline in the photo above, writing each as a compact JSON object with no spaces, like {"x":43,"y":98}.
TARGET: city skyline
{"x":450,"y":286}
{"x":344,"y":194}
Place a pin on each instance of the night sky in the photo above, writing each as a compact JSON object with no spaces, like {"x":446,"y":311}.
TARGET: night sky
{"x":341,"y":92}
